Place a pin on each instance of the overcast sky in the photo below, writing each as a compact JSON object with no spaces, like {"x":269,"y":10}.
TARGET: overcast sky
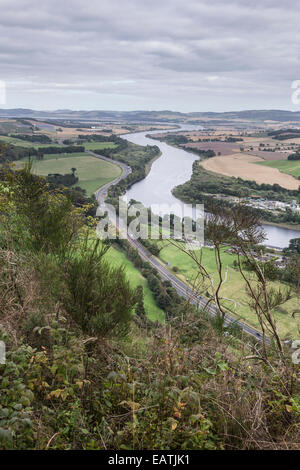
{"x":186,"y":55}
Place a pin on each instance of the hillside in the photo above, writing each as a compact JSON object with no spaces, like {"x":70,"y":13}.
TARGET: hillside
{"x":86,"y":369}
{"x":152,"y":116}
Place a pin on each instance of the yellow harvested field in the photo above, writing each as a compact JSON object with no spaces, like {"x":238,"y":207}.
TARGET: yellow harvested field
{"x":243,"y":166}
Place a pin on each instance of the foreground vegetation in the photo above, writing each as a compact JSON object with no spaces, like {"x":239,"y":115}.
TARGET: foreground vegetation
{"x":117,"y":258}
{"x":86,"y":369}
{"x":233,"y":289}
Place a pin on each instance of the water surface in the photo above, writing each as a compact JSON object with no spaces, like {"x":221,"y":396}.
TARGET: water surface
{"x":175,"y":167}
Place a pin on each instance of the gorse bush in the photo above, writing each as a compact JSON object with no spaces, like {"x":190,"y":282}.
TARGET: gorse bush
{"x":40,"y":219}
{"x":97,"y":297}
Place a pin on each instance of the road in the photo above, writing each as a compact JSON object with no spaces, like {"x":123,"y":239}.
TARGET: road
{"x":181,"y":288}
{"x":126,"y":170}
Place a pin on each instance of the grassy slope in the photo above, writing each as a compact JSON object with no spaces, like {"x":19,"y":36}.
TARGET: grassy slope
{"x":117,"y":258}
{"x":87,"y":168}
{"x":92,"y":172}
{"x":233,"y":288}
{"x":98,"y":145}
{"x":286,"y":166}
{"x":24,"y":143}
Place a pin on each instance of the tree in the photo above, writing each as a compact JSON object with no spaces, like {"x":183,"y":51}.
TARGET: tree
{"x":217,"y":233}
{"x":247,"y":232}
{"x":293,"y":248}
{"x":240,"y":227}
{"x":140,"y":309}
{"x":44,"y":219}
{"x":98,"y":297}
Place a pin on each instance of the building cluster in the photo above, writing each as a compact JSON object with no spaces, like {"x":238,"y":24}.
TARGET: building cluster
{"x":265,"y":204}
{"x":264,"y":256}
{"x":260,"y":203}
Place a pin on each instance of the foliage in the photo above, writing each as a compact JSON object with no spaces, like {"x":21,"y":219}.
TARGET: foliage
{"x":39,"y":138}
{"x":46,"y":219}
{"x":294,"y":157}
{"x":293,"y":248}
{"x":98,"y":298}
{"x":80,"y":374}
{"x":165,"y":295}
{"x":202,"y":182}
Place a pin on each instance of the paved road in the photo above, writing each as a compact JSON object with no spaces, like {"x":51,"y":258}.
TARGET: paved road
{"x":186,"y":291}
{"x":126,"y":170}
{"x":180,"y":286}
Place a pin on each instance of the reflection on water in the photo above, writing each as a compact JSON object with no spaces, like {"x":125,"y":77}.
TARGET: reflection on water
{"x":278,"y":236}
{"x":174,"y":167}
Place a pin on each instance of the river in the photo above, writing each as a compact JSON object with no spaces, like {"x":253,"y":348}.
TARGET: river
{"x":174,"y":167}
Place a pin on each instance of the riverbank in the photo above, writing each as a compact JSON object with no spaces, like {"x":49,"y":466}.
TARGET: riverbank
{"x":172,"y":169}
{"x":148,"y":165}
{"x":283,"y":225}
{"x":241,"y":165}
{"x":183,"y":279}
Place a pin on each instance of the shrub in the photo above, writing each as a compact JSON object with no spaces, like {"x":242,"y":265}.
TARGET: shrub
{"x":98,"y":297}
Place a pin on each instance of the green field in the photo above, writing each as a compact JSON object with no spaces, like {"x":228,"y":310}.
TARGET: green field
{"x":92,"y":172}
{"x":24,"y":143}
{"x":286,"y":166}
{"x":12,"y":127}
{"x":118,"y":258}
{"x":233,"y":287}
{"x":98,"y":145}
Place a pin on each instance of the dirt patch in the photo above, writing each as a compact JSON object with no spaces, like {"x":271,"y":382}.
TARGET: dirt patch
{"x":243,"y":166}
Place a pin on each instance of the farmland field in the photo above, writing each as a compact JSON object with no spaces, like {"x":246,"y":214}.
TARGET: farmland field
{"x":7,"y":126}
{"x":92,"y":172}
{"x":286,"y":166}
{"x":98,"y":145}
{"x":233,"y":287}
{"x":24,"y":143}
{"x":241,"y":165}
{"x":224,"y":148}
{"x":267,"y":155}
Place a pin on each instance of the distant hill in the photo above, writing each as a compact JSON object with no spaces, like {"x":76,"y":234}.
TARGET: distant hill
{"x":154,"y":116}
{"x":262,"y":115}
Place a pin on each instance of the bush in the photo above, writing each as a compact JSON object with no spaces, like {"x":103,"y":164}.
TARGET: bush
{"x":98,"y":297}
{"x":40,"y":219}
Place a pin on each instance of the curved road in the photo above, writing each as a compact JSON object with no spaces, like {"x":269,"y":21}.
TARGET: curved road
{"x":126,"y":170}
{"x":181,"y":288}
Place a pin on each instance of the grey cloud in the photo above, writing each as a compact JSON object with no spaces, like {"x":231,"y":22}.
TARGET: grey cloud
{"x":163,"y":53}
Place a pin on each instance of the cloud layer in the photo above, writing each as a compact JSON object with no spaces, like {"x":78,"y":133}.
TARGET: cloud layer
{"x":137,"y":54}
